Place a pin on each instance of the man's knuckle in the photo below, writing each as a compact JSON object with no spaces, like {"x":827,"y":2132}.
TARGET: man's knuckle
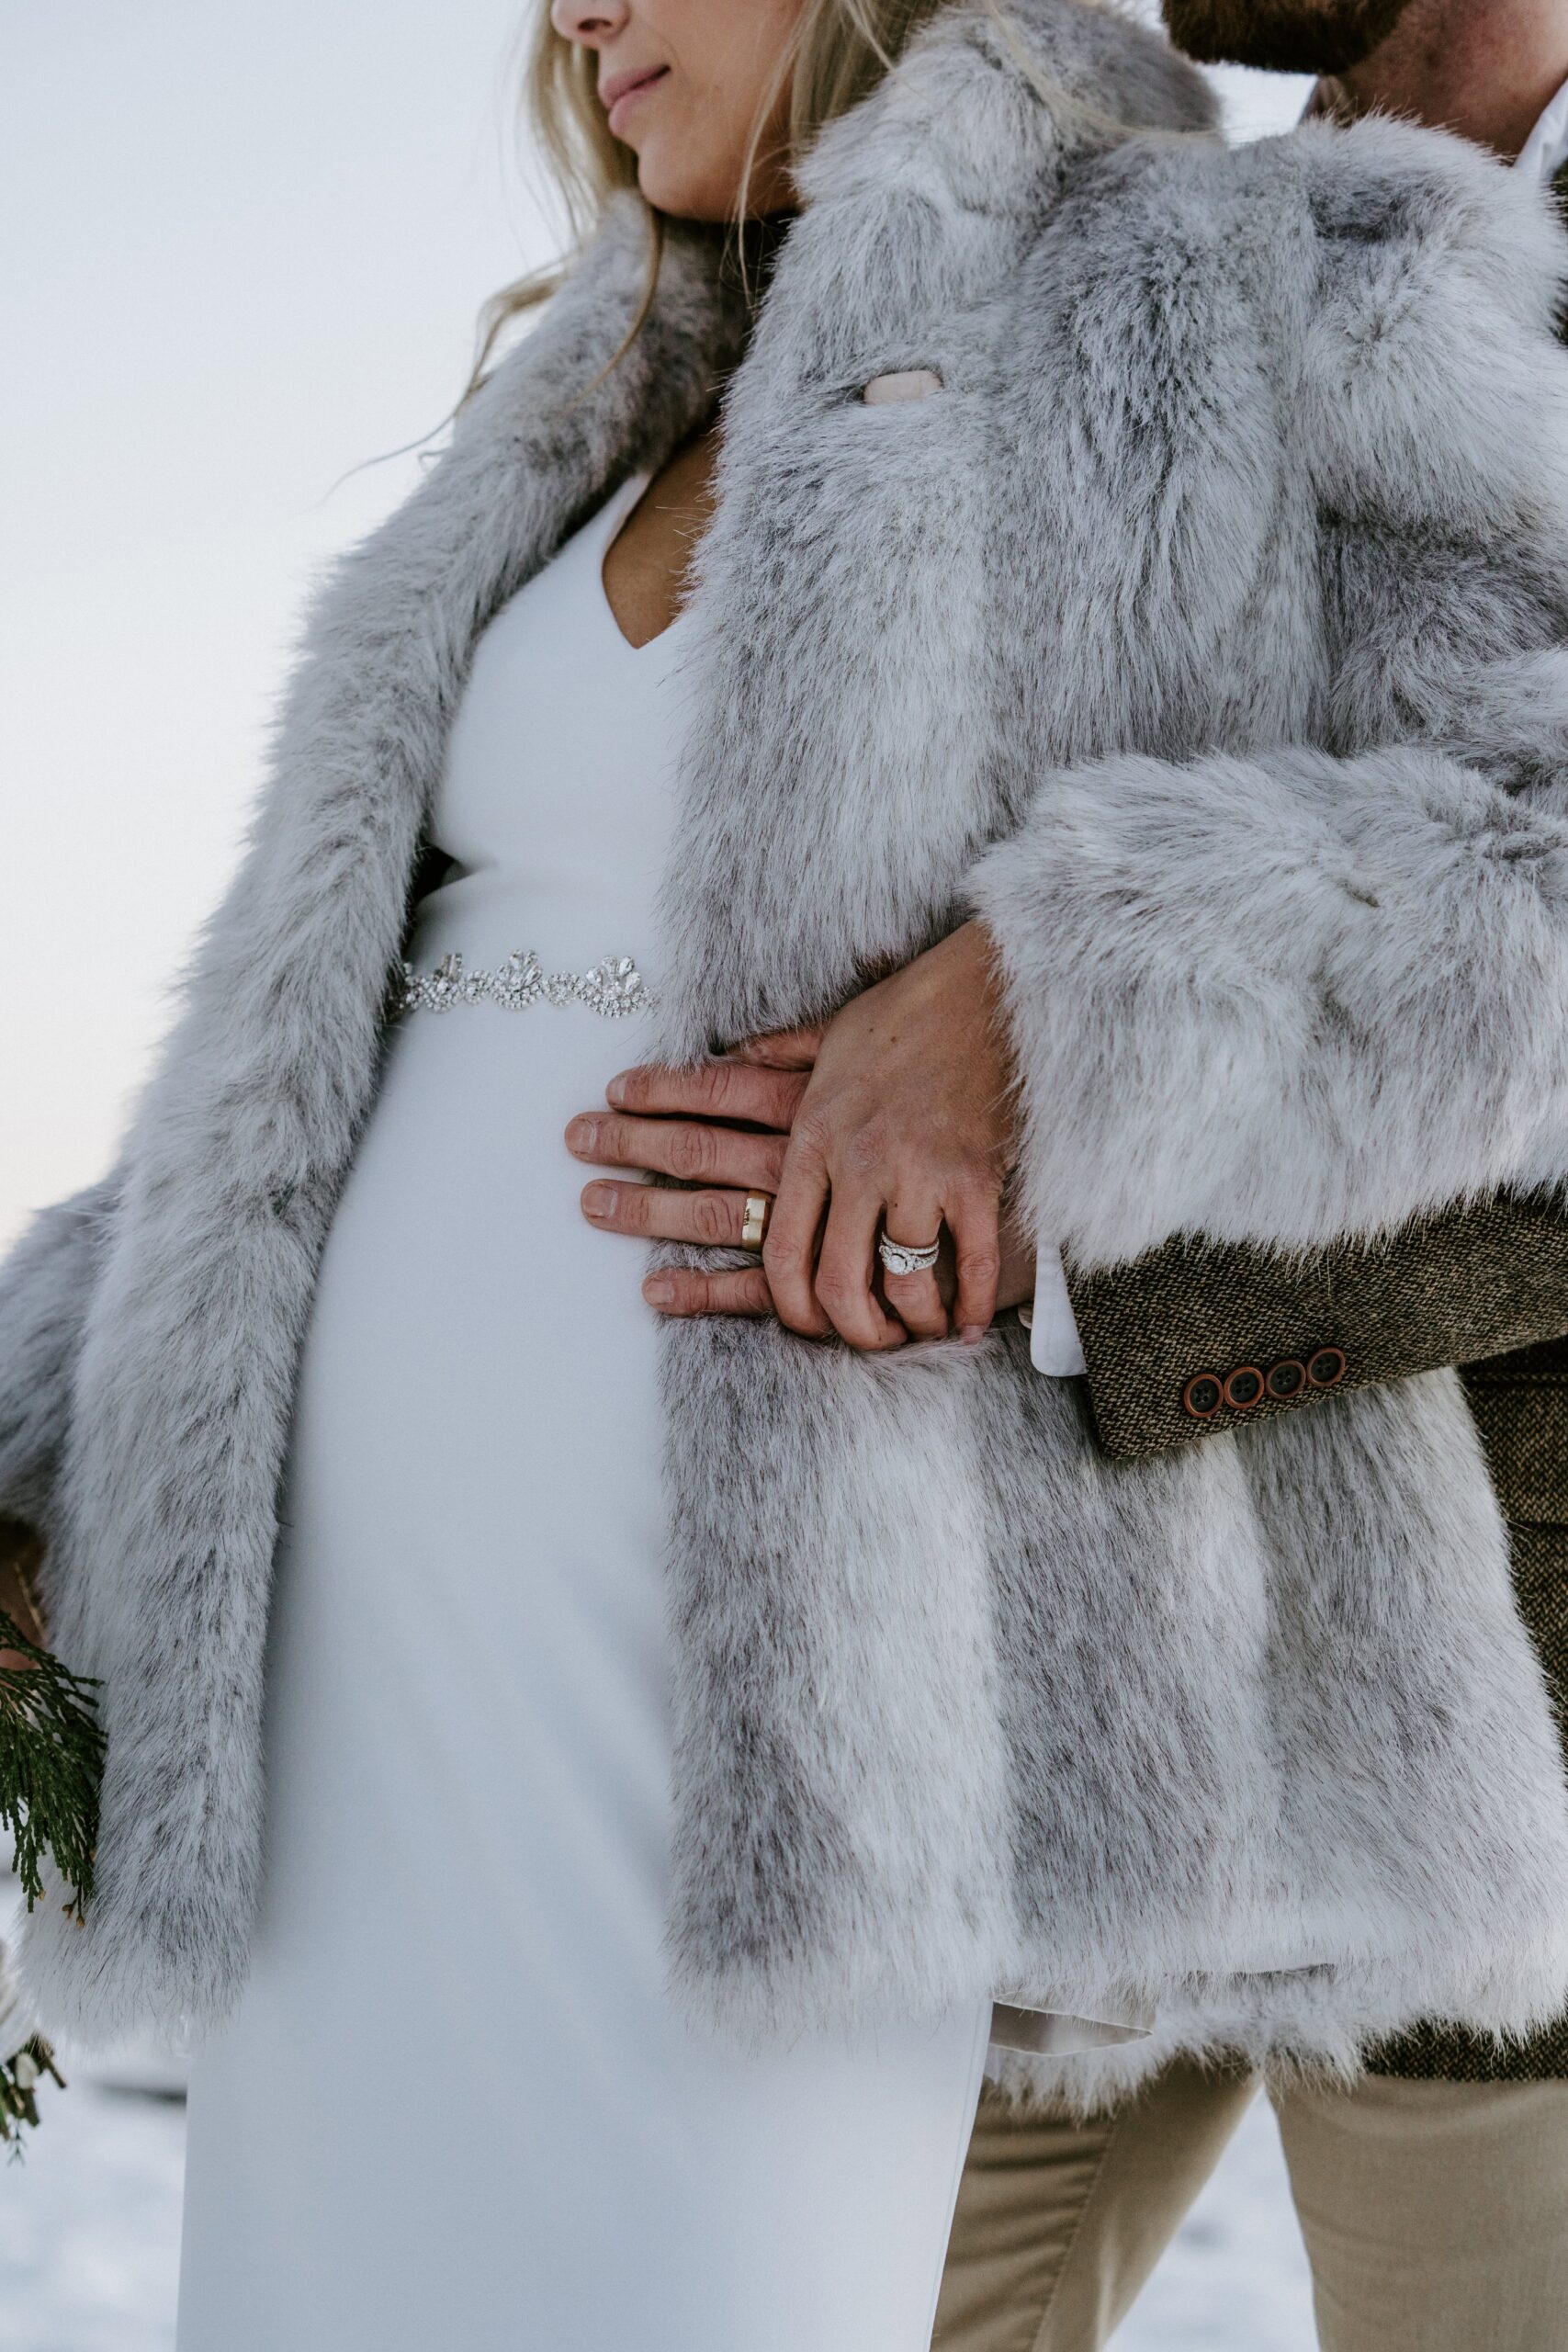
{"x":632,"y":1207}
{"x":617,"y":1142}
{"x":712,"y":1220}
{"x":691,"y":1151}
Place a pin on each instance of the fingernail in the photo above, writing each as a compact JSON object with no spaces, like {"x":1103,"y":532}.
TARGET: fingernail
{"x":582,"y":1134}
{"x":616,"y":1090}
{"x":658,"y":1291}
{"x":971,"y":1333}
{"x":598,"y":1199}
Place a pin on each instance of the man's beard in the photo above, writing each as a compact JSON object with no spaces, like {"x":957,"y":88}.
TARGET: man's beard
{"x":1286,"y":36}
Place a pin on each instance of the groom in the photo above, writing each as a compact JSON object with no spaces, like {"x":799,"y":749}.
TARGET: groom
{"x":1433,"y":2197}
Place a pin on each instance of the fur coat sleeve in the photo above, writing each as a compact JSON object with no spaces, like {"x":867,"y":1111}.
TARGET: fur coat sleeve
{"x":46,"y":1285}
{"x":1285,"y":993}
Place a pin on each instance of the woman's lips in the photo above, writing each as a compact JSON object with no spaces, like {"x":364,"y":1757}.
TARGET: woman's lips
{"x":619,"y":92}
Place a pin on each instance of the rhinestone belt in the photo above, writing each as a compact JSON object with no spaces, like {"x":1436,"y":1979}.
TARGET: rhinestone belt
{"x":614,"y":987}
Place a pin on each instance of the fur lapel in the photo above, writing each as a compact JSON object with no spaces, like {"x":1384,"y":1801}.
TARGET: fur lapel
{"x":846,"y":565}
{"x":241,"y":1141}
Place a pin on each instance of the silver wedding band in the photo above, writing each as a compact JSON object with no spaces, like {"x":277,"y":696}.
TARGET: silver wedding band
{"x":908,"y":1257}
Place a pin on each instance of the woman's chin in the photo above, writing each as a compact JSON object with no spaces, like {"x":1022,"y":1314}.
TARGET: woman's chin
{"x":673,"y":188}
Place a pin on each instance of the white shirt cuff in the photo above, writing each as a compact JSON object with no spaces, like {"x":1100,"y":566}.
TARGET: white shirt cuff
{"x":1054,"y":1345}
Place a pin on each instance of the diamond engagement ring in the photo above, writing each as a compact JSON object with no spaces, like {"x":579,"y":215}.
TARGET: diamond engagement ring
{"x":906,"y":1257}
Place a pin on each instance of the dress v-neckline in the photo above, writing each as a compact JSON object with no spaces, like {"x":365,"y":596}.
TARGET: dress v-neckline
{"x":617,"y":513}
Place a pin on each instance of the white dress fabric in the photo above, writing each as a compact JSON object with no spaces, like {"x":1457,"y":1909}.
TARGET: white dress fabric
{"x":456,"y":2104}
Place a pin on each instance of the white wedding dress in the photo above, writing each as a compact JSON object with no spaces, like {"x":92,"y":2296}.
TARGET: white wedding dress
{"x":457,"y":2106}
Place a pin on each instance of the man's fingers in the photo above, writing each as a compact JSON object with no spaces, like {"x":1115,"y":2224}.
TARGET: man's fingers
{"x":762,"y":1097}
{"x":683,"y":1147}
{"x":682,"y":1290}
{"x":660,"y":1214}
{"x":784,"y":1049}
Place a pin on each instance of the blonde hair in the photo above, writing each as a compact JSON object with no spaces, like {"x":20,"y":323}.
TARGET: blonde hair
{"x":837,"y":53}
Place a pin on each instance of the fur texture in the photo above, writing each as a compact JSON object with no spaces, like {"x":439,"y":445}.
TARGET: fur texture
{"x":46,"y":1287}
{"x":1224,"y":449}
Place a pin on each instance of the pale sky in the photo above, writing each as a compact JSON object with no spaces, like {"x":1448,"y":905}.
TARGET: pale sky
{"x":244,"y":252}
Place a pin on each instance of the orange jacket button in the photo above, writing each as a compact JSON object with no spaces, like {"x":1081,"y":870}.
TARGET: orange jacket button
{"x":1203,"y":1396}
{"x":1243,"y":1387}
{"x":1326,"y":1368}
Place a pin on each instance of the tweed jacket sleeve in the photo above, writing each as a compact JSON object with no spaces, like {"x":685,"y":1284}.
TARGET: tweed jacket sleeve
{"x":1308,"y":1002}
{"x":1167,"y":1337}
{"x":1195,"y":1338}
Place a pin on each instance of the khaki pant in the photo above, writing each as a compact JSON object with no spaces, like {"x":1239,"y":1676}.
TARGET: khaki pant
{"x":1435,"y":2213}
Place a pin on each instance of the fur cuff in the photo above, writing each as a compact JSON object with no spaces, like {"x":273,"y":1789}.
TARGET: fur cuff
{"x":45,"y":1285}
{"x":1282,"y":998}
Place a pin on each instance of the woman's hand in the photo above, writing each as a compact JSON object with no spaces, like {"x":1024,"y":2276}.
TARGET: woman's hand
{"x":905,"y":1126}
{"x":20,"y":1552}
{"x":917,"y":1064}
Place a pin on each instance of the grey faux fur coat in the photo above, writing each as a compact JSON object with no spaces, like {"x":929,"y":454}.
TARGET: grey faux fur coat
{"x":1200,"y":632}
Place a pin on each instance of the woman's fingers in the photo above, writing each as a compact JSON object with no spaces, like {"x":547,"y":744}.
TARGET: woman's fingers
{"x":789,"y":1251}
{"x":660,"y":1214}
{"x":682,"y":1290}
{"x":845,"y":1272}
{"x":974,"y":1217}
{"x":683,"y":1147}
{"x":914,"y":1217}
{"x":918,"y":1301}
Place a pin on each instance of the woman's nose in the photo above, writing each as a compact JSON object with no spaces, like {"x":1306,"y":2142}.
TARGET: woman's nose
{"x":588,"y":21}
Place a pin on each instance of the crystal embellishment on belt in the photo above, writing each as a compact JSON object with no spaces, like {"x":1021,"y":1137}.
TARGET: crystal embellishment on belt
{"x":613,"y":987}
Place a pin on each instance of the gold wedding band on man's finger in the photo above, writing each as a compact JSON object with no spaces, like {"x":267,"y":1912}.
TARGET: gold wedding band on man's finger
{"x":759,"y":1209}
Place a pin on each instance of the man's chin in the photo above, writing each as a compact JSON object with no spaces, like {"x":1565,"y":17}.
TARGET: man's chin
{"x":1281,"y":36}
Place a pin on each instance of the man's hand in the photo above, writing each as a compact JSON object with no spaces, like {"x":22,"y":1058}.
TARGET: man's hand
{"x":915,"y":1066}
{"x":723,"y":1128}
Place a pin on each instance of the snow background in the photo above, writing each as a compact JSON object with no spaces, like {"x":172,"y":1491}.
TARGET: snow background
{"x":252,"y":244}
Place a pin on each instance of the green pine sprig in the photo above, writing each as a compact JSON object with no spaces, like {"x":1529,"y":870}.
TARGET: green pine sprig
{"x":52,"y":1767}
{"x":20,"y":2077}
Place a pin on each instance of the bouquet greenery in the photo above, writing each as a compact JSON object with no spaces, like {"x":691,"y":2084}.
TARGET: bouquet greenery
{"x":51,"y":1763}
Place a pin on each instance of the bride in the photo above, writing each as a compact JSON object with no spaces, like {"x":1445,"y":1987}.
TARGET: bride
{"x":939,"y":486}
